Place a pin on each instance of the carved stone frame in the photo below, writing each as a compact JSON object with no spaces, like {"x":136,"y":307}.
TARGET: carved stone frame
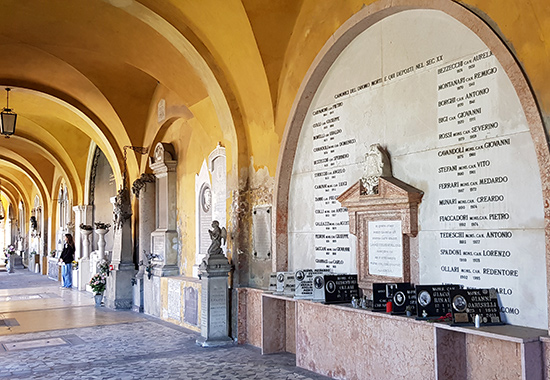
{"x":395,"y":201}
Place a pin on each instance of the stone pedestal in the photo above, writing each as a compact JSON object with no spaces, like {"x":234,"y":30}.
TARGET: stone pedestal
{"x":84,"y":274}
{"x":101,"y":242}
{"x":34,"y":259}
{"x":164,"y":240}
{"x":144,"y":190}
{"x":119,"y":287}
{"x":214,"y":272}
{"x":17,"y":261}
{"x":137,"y":295}
{"x":119,"y":283}
{"x":82,"y":215}
{"x":151,"y":295}
{"x":10,"y":268}
{"x":54,"y":269}
{"x":163,"y":244}
{"x":86,"y":243}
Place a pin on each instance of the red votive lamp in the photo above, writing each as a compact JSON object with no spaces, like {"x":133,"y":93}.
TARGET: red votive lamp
{"x":389,"y":307}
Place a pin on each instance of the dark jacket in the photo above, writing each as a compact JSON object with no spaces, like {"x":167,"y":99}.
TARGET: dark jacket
{"x":67,"y":255}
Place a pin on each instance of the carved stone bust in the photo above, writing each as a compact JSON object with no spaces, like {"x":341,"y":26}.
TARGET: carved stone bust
{"x":377,"y":164}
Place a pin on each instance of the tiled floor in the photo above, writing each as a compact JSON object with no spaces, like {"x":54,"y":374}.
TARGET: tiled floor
{"x":59,"y":334}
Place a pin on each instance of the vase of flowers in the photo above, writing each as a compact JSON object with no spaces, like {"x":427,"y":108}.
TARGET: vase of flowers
{"x":98,"y":284}
{"x":9,"y":252}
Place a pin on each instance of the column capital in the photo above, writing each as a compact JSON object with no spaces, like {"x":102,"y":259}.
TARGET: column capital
{"x":82,"y":208}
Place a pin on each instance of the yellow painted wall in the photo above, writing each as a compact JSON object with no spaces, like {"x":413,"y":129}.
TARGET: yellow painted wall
{"x":182,"y":283}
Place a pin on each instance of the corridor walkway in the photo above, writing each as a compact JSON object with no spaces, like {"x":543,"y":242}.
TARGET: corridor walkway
{"x":52,"y":333}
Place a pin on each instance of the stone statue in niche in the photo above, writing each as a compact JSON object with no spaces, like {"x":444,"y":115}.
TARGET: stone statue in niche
{"x":377,"y":164}
{"x":218,"y":236}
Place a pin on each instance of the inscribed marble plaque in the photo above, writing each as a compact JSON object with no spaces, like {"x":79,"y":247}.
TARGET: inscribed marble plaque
{"x":261,"y":232}
{"x":190,"y":314}
{"x":217,"y":307}
{"x":174,"y":300}
{"x":451,"y":119}
{"x":204,"y":308}
{"x":386,"y":248}
{"x":158,"y":245}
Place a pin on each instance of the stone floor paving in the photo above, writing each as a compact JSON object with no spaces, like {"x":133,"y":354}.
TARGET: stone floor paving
{"x":137,"y":348}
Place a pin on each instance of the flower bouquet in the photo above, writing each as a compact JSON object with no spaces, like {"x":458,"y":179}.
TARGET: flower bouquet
{"x":86,"y":227}
{"x":102,"y":226}
{"x":10,"y":250}
{"x":103,"y":267}
{"x":98,"y":283}
{"x":75,"y":264}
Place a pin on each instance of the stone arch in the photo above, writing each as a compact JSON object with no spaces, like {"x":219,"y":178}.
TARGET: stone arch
{"x":357,"y":24}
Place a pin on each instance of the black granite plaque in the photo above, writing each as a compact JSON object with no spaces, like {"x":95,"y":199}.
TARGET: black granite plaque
{"x":403,"y":296}
{"x":340,"y":288}
{"x":467,"y":303}
{"x":433,"y":301}
{"x":382,"y":293}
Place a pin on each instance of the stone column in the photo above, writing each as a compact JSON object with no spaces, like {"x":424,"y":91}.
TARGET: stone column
{"x":82,"y":215}
{"x":144,"y":190}
{"x":119,"y":282}
{"x":214,"y":272}
{"x":165,"y":236}
{"x":84,"y":273}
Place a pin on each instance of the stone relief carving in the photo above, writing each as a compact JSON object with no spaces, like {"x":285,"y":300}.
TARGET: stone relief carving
{"x":159,"y":153}
{"x":93,"y":175}
{"x":206,"y":199}
{"x":377,"y":164}
{"x":122,"y":209}
{"x":139,"y":183}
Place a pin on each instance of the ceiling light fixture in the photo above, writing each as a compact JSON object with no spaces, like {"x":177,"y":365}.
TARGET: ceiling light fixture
{"x":7,"y":118}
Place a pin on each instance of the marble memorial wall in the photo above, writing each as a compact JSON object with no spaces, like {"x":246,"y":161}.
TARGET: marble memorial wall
{"x":447,"y":113}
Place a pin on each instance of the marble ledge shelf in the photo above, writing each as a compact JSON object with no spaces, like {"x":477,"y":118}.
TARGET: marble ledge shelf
{"x":510,"y":333}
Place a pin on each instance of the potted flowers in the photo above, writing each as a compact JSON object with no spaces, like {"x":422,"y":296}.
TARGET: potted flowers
{"x":9,"y":252}
{"x":98,"y":283}
{"x":102,"y":226}
{"x":86,"y":227}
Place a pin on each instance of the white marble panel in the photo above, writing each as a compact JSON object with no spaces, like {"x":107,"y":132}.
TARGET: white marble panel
{"x":174,"y":299}
{"x":477,"y":181}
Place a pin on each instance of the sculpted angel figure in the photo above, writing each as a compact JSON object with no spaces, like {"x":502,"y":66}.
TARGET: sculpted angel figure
{"x":377,"y":164}
{"x":217,"y":234}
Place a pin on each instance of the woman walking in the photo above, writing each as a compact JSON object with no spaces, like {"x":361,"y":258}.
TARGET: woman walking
{"x":67,"y":257}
